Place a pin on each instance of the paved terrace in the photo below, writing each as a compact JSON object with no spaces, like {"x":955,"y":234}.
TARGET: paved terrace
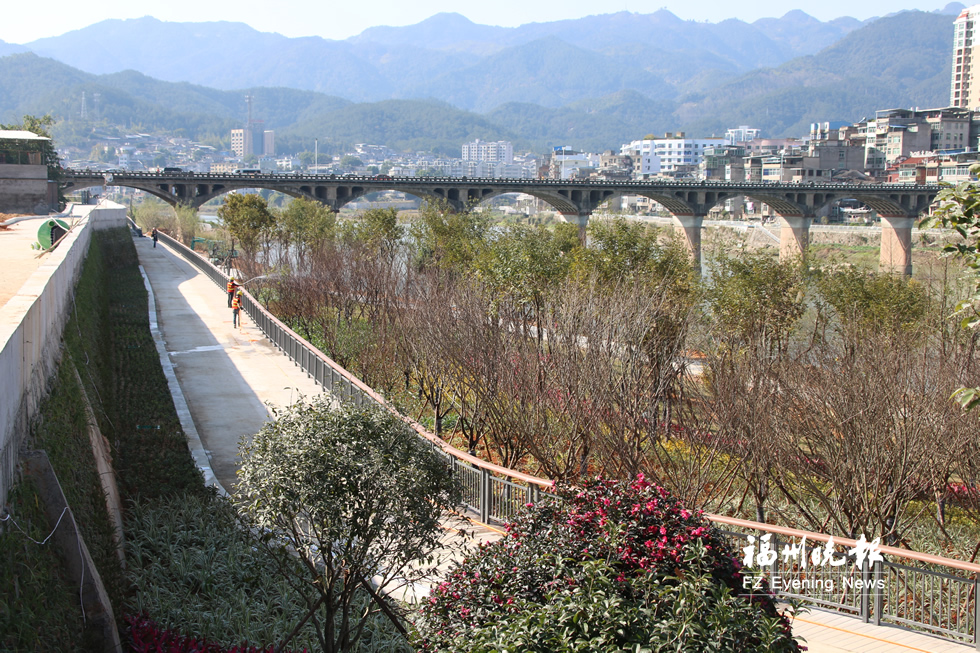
{"x":224,"y":380}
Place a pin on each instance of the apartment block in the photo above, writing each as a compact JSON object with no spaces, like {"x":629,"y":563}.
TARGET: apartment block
{"x":495,"y":152}
{"x":964,"y":87}
{"x":671,"y":154}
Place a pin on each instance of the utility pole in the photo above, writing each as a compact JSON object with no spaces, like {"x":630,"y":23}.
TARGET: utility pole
{"x":316,"y":156}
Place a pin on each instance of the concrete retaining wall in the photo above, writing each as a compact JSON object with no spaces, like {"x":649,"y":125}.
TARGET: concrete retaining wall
{"x":23,"y":188}
{"x":30,"y":333}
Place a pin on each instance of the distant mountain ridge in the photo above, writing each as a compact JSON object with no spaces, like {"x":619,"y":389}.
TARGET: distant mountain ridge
{"x":405,"y":62}
{"x":539,"y":94}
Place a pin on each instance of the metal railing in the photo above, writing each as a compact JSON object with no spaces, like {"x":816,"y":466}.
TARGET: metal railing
{"x":925,"y":593}
{"x":931,"y":594}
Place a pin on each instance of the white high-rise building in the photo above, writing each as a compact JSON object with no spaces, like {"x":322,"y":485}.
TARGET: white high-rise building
{"x":495,"y":152}
{"x":652,"y":156}
{"x":964,"y":87}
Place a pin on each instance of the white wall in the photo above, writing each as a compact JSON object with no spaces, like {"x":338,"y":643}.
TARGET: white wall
{"x":30,"y":332}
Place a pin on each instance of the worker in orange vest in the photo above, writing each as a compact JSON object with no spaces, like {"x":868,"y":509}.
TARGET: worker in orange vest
{"x":236,"y":306}
{"x":232,"y":287}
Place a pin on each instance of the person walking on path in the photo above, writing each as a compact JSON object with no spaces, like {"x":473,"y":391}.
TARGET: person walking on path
{"x":236,"y":307}
{"x":156,"y":237}
{"x":232,"y":287}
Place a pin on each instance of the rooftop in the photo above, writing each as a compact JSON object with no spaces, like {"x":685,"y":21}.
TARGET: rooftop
{"x":16,"y":135}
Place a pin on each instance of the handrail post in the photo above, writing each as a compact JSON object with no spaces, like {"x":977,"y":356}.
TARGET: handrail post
{"x":976,"y":611}
{"x":865,"y":602}
{"x":879,"y":569}
{"x":484,"y":495}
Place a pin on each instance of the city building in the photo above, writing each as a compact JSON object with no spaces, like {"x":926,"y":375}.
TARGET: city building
{"x":224,"y":167}
{"x":496,"y":152}
{"x":772,"y":145}
{"x":566,"y":162}
{"x":932,"y":168}
{"x":742,"y":134}
{"x":613,"y":166}
{"x":238,"y":142}
{"x":254,"y":140}
{"x":24,"y":185}
{"x":674,"y":153}
{"x":894,"y":134}
{"x":964,"y":87}
{"x":723,"y":163}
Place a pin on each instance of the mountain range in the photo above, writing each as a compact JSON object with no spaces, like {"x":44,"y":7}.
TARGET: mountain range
{"x":591,"y":83}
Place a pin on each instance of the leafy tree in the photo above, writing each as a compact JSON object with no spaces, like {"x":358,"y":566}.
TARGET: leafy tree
{"x":521,"y":261}
{"x":959,"y":209}
{"x":612,"y":566}
{"x":873,"y":302}
{"x":446,"y":239}
{"x":350,"y":161}
{"x":377,"y":228}
{"x":305,"y":225}
{"x":622,"y":250}
{"x":247,"y":218}
{"x":755,"y":301}
{"x":358,"y":496}
{"x":187,"y":221}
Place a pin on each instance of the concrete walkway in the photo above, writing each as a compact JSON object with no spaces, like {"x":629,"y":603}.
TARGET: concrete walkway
{"x":225,"y":379}
{"x":229,"y":377}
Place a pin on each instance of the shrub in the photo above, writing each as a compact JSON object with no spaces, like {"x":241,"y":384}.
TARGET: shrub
{"x":610,"y":567}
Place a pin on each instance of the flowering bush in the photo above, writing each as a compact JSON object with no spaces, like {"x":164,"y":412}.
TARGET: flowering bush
{"x":611,"y":566}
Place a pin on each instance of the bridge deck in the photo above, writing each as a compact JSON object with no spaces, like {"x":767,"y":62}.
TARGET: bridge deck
{"x":226,"y":376}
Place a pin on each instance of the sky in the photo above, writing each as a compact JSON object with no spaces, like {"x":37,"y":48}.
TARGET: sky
{"x":21,"y":22}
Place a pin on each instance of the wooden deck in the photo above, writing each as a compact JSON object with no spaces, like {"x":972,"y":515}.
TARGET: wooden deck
{"x":831,"y":632}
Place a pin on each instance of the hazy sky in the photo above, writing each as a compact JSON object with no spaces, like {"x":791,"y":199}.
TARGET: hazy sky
{"x":22,"y":22}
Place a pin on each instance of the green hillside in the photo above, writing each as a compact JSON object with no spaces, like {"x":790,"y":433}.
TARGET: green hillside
{"x":900,"y":61}
{"x":538,"y":95}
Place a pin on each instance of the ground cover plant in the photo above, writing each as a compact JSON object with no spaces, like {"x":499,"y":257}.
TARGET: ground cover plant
{"x":39,"y":609}
{"x":610,"y":566}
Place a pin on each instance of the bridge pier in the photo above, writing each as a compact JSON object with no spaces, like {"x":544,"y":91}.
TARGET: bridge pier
{"x":688,"y":227}
{"x":794,"y":236}
{"x":896,"y":244}
{"x":580,"y":219}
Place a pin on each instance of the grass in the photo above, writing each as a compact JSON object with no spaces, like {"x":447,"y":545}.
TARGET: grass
{"x":39,"y":609}
{"x":37,"y":604}
{"x":107,"y":340}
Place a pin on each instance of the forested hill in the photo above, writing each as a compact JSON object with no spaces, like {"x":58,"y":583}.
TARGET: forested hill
{"x":522,"y":95}
{"x":899,"y":61}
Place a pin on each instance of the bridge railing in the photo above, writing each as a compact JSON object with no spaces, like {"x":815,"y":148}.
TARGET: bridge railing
{"x":924,"y":593}
{"x":187,"y":176}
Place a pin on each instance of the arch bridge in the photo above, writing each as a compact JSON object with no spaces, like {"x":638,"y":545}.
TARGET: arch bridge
{"x":796,"y":203}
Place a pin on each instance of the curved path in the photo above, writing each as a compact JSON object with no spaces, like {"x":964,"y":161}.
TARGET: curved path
{"x":224,"y":381}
